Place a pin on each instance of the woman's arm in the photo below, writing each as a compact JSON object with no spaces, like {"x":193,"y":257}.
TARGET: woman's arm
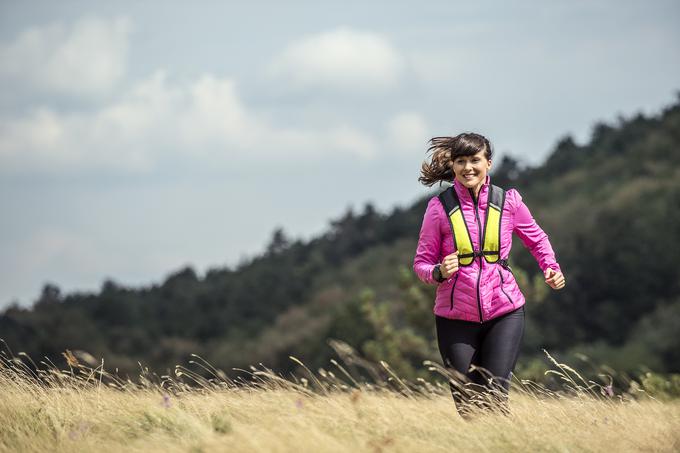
{"x":532,"y":236}
{"x":429,"y":243}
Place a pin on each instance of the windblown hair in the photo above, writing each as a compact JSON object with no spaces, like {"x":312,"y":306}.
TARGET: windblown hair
{"x":445,"y":150}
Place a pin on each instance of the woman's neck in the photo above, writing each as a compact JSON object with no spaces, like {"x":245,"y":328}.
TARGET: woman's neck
{"x":476,"y":190}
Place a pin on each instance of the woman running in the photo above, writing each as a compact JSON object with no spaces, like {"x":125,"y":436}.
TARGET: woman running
{"x":463,"y":248}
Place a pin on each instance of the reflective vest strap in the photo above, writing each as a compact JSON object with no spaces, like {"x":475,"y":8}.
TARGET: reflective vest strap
{"x":459,"y":229}
{"x":492,"y":224}
{"x":462,"y":237}
{"x":496,"y":197}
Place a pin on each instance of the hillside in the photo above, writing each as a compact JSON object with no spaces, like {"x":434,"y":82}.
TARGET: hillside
{"x":610,"y":207}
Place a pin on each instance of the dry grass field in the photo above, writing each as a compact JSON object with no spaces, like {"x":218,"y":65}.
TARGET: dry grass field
{"x":87,"y":409}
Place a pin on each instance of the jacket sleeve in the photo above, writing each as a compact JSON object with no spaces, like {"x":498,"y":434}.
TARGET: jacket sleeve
{"x":429,"y":243}
{"x":532,"y":236}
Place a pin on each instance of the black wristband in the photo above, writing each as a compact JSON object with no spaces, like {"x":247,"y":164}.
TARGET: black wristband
{"x":437,"y":273}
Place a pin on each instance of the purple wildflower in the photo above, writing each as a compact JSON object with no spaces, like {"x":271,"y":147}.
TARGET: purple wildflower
{"x":608,"y":390}
{"x":79,"y":431}
{"x":166,"y":401}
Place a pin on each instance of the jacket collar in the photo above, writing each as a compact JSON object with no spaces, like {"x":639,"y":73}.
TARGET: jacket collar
{"x":464,"y":193}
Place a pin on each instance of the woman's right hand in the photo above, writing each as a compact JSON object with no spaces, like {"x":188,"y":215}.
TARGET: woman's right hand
{"x":450,"y":265}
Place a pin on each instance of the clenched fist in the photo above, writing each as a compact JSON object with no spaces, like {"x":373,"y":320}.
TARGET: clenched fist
{"x":450,"y":265}
{"x":554,"y":279}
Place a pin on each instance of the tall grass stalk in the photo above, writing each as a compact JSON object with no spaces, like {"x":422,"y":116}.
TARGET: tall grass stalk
{"x":356,"y":405}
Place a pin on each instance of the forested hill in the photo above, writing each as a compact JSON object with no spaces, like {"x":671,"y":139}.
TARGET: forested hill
{"x":611,"y":208}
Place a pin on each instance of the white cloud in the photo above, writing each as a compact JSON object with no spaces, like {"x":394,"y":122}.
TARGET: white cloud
{"x":407,"y":131}
{"x":85,"y":59}
{"x":139,"y":124}
{"x":214,"y":115}
{"x":342,"y":59}
{"x":202,"y":119}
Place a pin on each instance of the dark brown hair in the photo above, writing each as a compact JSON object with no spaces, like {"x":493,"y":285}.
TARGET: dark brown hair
{"x":445,"y":150}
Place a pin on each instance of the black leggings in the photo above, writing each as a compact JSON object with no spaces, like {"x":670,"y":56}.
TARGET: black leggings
{"x":493,"y":346}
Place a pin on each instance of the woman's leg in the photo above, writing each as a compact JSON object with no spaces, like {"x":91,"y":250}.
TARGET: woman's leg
{"x":499,"y":351}
{"x":459,"y":346}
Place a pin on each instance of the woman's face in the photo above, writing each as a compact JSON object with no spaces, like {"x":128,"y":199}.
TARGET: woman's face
{"x":471,"y":171}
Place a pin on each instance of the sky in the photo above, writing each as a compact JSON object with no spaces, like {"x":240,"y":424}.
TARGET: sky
{"x":137,"y":138}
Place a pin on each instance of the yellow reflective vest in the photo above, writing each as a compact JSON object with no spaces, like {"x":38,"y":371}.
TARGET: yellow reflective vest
{"x":461,"y":234}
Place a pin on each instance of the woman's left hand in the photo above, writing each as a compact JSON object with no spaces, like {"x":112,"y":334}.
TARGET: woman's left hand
{"x":554,"y":279}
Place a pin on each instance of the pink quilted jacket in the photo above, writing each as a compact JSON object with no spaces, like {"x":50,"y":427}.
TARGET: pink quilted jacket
{"x":481,"y":291}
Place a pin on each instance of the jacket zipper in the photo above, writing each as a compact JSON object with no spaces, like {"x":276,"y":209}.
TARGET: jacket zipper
{"x":479,"y":237}
{"x":502,"y":282}
{"x":452,"y":288}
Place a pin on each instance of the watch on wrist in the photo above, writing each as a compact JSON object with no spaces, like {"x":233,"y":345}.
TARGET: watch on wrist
{"x":437,"y":273}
